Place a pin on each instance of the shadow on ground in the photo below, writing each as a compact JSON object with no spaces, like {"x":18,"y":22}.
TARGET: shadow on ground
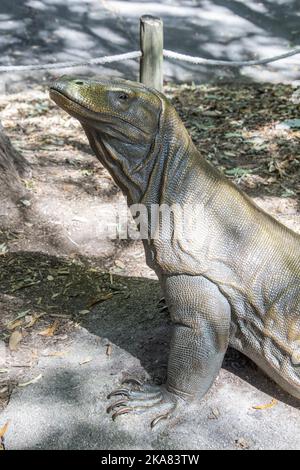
{"x":122,"y":309}
{"x":40,"y":31}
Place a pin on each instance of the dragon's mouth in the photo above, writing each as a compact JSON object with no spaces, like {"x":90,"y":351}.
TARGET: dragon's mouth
{"x":68,"y":104}
{"x":85,"y":115}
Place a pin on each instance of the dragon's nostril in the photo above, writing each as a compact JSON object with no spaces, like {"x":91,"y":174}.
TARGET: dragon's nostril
{"x":123,"y":96}
{"x":78,"y":82}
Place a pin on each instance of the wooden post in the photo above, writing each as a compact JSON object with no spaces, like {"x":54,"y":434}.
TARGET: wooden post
{"x":151,"y":40}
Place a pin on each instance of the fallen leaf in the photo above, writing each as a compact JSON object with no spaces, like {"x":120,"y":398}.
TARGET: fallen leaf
{"x":84,"y":312}
{"x":99,"y":299}
{"x":25,"y":202}
{"x":21,"y":315}
{"x":231,"y":135}
{"x":211,"y":113}
{"x":56,"y":354}
{"x":85,"y":361}
{"x":3,"y":249}
{"x":59,"y":315}
{"x":14,"y":324}
{"x":266,"y":406}
{"x":50,"y":330}
{"x":215,"y":413}
{"x":108,"y":349}
{"x":4,"y":429}
{"x":30,"y":321}
{"x":2,"y":432}
{"x":242,"y":443}
{"x":14,"y":340}
{"x":289,"y":124}
{"x":23,"y":286}
{"x":63,"y":272}
{"x":34,"y":354}
{"x":119,"y":263}
{"x":3,"y":390}
{"x":33,"y":381}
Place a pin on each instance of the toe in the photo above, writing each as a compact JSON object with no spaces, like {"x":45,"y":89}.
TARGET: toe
{"x":134,"y":404}
{"x":147,"y":392}
{"x":142,"y":398}
{"x":116,"y":404}
{"x":122,"y":411}
{"x":163,"y":416}
{"x":133,"y":381}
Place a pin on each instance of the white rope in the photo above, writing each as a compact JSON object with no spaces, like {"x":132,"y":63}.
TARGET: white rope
{"x":137,"y":54}
{"x":63,"y":65}
{"x":237,"y":63}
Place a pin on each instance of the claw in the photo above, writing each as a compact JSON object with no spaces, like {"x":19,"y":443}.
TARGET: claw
{"x":162,"y":309}
{"x":119,"y":391}
{"x":122,"y":411}
{"x":163,"y":416}
{"x":161,"y":301}
{"x":159,"y":418}
{"x":133,"y":381}
{"x":141,"y":398}
{"x":116,"y":404}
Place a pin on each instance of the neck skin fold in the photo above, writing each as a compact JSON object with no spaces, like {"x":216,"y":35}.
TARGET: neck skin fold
{"x":144,"y":181}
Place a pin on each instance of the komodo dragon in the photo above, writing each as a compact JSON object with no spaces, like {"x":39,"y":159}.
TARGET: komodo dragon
{"x":235,"y":282}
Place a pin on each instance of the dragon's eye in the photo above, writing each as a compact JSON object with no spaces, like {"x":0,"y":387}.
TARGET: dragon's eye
{"x":123,"y":96}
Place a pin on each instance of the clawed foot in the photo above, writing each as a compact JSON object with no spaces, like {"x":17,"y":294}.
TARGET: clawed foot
{"x":162,"y":305}
{"x":139,"y":398}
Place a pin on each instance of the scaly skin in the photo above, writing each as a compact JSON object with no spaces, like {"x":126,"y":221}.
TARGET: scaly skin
{"x":235,"y":281}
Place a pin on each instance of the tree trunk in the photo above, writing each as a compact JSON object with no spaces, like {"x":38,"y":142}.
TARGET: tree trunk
{"x":13,"y":167}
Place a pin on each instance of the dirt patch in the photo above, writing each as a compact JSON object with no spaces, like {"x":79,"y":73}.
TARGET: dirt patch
{"x":241,"y":130}
{"x":45,"y":300}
